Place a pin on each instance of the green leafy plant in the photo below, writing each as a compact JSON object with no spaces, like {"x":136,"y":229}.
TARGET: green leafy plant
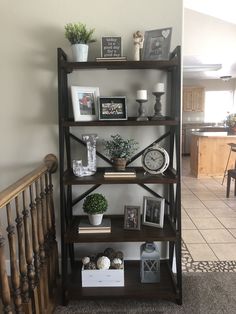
{"x":231,"y":120}
{"x":77,"y":33}
{"x":119,"y":147}
{"x":95,"y":204}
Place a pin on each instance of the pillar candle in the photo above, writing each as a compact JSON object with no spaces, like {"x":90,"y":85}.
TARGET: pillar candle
{"x":159,"y":88}
{"x":142,"y":94}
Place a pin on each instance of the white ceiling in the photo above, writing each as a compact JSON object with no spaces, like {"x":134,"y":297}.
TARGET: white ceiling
{"x":226,"y":11}
{"x":221,"y":9}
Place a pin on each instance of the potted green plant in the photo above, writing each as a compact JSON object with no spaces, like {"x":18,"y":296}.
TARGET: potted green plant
{"x":95,"y":205}
{"x":79,"y":37}
{"x":120,"y":150}
{"x":230,"y":122}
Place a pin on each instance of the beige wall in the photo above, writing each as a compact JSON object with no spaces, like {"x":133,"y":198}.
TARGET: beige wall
{"x":30,"y":32}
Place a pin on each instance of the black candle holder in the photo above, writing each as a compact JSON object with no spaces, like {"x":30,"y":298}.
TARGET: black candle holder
{"x":157,"y":107}
{"x":142,"y":112}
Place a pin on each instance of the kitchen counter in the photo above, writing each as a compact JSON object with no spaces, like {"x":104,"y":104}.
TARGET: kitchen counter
{"x":189,"y":128}
{"x":213,"y":134}
{"x":209,"y":153}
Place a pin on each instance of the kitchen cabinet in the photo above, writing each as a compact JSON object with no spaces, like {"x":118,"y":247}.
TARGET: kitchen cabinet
{"x":193,"y":99}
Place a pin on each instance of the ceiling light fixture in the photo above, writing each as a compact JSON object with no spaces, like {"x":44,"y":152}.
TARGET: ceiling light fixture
{"x":202,"y":67}
{"x":225,"y":78}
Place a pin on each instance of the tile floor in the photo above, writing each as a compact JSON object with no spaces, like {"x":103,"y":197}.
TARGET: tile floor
{"x":208,"y":219}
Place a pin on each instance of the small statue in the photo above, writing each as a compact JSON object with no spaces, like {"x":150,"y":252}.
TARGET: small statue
{"x":138,"y":45}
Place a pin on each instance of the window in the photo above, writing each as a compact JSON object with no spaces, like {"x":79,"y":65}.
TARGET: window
{"x":217,"y":105}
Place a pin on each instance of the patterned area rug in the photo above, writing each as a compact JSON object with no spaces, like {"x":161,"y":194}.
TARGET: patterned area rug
{"x":189,"y":265}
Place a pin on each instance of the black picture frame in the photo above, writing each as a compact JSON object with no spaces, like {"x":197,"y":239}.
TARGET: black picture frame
{"x":112,"y":108}
{"x":157,"y":44}
{"x":153,"y":211}
{"x":132,"y":217}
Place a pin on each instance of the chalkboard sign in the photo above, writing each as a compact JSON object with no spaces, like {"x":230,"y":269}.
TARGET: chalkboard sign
{"x":111,"y":47}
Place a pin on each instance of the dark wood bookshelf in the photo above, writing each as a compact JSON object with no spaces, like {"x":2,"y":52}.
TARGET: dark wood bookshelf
{"x":141,"y":178}
{"x":165,"y":289}
{"x":118,"y":234}
{"x":167,"y":65}
{"x":168,"y":129}
{"x":132,"y":121}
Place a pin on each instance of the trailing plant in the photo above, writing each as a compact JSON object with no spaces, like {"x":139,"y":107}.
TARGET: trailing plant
{"x":118,"y":147}
{"x":95,"y":204}
{"x":77,"y":33}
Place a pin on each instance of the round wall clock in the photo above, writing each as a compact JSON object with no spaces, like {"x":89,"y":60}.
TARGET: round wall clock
{"x":155,"y":159}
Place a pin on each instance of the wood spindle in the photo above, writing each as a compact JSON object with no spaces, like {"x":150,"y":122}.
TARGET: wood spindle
{"x":34,"y":234}
{"x":15,"y":277}
{"x":42,"y":283}
{"x":21,"y":254}
{"x":49,"y":232}
{"x":5,"y":290}
{"x":55,"y":248}
{"x":28,"y":251}
{"x":35,"y":246}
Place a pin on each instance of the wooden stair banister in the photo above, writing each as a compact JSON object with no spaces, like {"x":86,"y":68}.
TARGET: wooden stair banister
{"x":29,"y":224}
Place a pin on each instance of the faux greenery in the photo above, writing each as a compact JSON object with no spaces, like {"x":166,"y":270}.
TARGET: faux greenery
{"x":95,"y":204}
{"x":231,"y":120}
{"x":119,"y":147}
{"x":77,"y":33}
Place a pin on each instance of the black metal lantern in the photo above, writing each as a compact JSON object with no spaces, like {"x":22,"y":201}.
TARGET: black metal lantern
{"x":149,"y":263}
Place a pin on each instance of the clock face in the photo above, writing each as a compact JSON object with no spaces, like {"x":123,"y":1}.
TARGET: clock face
{"x":155,"y":160}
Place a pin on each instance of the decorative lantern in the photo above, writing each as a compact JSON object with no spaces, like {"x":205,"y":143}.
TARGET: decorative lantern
{"x":149,"y":263}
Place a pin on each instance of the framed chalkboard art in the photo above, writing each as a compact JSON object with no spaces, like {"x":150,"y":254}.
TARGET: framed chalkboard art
{"x":157,"y":44}
{"x":111,"y":47}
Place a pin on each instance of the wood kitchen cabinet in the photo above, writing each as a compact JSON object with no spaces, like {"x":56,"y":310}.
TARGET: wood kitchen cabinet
{"x":193,"y":98}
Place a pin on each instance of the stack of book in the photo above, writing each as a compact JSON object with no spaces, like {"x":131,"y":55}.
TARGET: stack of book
{"x":86,"y":227}
{"x":127,"y":173}
{"x":111,"y":59}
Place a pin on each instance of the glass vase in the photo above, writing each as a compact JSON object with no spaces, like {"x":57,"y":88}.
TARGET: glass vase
{"x":91,"y":142}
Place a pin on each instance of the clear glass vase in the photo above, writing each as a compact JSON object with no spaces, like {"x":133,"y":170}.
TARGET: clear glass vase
{"x":91,"y":142}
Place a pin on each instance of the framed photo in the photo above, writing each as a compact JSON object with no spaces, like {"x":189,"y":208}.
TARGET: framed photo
{"x":132,"y":218}
{"x":157,"y":44}
{"x":84,"y":102}
{"x":153,"y":211}
{"x":112,"y":108}
{"x":111,"y":47}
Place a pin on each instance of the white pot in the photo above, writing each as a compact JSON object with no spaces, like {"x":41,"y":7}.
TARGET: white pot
{"x":80,"y":52}
{"x":95,"y":219}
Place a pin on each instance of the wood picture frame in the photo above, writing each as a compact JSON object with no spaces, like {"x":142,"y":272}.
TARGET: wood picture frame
{"x":132,"y":217}
{"x":111,"y":46}
{"x":153,"y":211}
{"x":112,"y":108}
{"x":84,"y":102}
{"x":157,"y":44}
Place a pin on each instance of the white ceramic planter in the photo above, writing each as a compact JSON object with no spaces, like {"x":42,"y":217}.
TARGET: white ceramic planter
{"x":80,"y":52}
{"x":95,"y":219}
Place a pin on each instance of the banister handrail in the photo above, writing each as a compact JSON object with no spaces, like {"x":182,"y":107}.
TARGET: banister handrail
{"x":50,"y":163}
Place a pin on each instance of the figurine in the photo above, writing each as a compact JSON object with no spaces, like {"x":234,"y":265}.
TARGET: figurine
{"x":138,"y":45}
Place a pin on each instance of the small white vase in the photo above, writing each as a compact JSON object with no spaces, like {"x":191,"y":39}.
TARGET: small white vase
{"x":95,"y":219}
{"x":80,"y":52}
